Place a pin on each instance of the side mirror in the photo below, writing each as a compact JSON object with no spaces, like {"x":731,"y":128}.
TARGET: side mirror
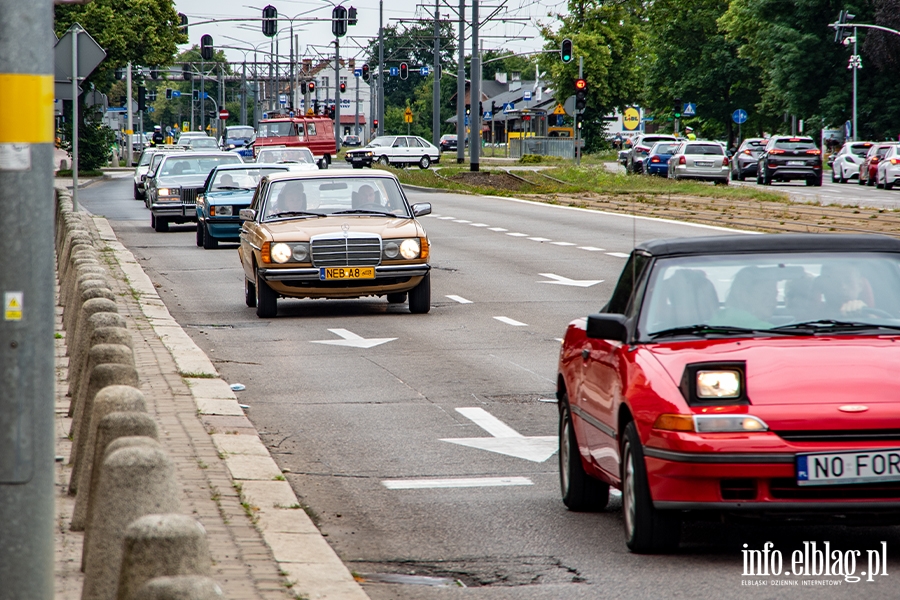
{"x":607,"y":326}
{"x":143,"y":177}
{"x":247,"y":214}
{"x":421,"y":209}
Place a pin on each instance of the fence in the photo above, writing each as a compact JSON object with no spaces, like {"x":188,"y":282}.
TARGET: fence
{"x":544,"y":146}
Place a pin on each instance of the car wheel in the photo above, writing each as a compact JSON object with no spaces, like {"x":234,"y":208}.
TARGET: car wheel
{"x":398,"y":298}
{"x":266,"y":299}
{"x":161,"y":224}
{"x":817,"y":181}
{"x":384,"y":161}
{"x":209,"y":242}
{"x":580,"y":491}
{"x":869,"y":181}
{"x":152,"y":220}
{"x":249,"y":293}
{"x":888,"y":185}
{"x":834,"y":177}
{"x":767,"y":178}
{"x":420,"y":296}
{"x":138,"y":195}
{"x":358,"y":166}
{"x":200,"y":235}
{"x":647,"y":530}
{"x":425,"y":162}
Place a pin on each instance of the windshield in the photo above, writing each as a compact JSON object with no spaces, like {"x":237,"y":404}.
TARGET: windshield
{"x":203,"y":143}
{"x":772,"y":292}
{"x":278,"y":129}
{"x":712,"y":149}
{"x":240,"y":179}
{"x":286,"y":155}
{"x":239,"y":133}
{"x":664,"y":148}
{"x":187,"y":164}
{"x":373,"y":196}
{"x":381,"y":141}
{"x":795,"y":144}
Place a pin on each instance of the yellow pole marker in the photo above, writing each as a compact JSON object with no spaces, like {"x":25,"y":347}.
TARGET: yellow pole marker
{"x":26,"y":109}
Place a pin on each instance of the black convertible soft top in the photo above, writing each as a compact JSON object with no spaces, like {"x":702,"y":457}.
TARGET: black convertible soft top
{"x":774,"y":242}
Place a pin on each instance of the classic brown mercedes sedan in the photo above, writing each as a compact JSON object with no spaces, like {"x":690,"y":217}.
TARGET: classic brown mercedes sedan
{"x":340,"y":235}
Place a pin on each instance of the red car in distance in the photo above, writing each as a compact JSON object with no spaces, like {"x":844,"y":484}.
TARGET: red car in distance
{"x":868,"y":170}
{"x":737,"y":375}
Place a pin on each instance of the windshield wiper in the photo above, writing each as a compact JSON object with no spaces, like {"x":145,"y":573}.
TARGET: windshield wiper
{"x":295,"y":213}
{"x":834,"y":325}
{"x":703,"y":329}
{"x":231,"y":187}
{"x":359,"y":211}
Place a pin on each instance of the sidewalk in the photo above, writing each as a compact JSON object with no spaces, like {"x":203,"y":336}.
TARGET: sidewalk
{"x":263,"y":545}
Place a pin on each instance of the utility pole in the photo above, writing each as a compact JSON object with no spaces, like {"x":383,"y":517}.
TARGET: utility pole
{"x":856,"y":66}
{"x":202,"y":94}
{"x":337,"y":92}
{"x":26,"y":324}
{"x":129,"y":130}
{"x":356,"y":108}
{"x":436,"y":85}
{"x":380,"y":67}
{"x":475,"y":96}
{"x":578,"y":120}
{"x":244,"y":94}
{"x":461,"y":88}
{"x":220,"y":125}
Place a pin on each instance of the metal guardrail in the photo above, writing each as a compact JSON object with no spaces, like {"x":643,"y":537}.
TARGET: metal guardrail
{"x":543,"y":146}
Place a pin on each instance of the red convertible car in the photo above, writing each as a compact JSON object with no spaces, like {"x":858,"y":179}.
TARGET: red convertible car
{"x":737,"y":375}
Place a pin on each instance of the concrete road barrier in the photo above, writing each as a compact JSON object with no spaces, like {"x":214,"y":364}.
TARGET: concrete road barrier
{"x":183,"y":587}
{"x":94,"y":322}
{"x":98,"y":354}
{"x":161,"y":545}
{"x":79,"y":344}
{"x":87,"y":290}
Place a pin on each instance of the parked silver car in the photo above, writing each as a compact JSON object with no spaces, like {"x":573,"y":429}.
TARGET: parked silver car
{"x":172,"y":192}
{"x":700,"y":160}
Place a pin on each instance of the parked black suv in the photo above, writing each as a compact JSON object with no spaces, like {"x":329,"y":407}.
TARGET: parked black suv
{"x":787,"y":158}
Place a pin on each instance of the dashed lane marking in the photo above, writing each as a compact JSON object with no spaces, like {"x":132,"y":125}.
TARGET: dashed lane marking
{"x":459,"y":299}
{"x":456,"y":482}
{"x":512,"y":322}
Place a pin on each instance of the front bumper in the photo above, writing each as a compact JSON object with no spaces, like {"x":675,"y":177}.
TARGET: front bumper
{"x":305,"y":282}
{"x":223,"y":228}
{"x":366,"y":161}
{"x":174,"y":210}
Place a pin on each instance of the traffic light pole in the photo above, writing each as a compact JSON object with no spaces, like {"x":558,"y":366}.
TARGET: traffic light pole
{"x":202,"y":94}
{"x":26,"y":323}
{"x":577,"y":120}
{"x":380,"y":67}
{"x":461,"y":88}
{"x":475,"y":96}
{"x":337,"y":92}
{"x":436,"y":84}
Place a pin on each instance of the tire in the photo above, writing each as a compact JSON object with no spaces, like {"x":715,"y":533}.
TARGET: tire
{"x":425,"y":162}
{"x":420,"y":296}
{"x":398,"y":298}
{"x":200,"y":235}
{"x":580,"y":491}
{"x":888,"y":185}
{"x":356,"y":166}
{"x":160,"y":224}
{"x":327,"y":160}
{"x":767,"y":179}
{"x":384,"y":161}
{"x":734,"y":177}
{"x":869,"y":181}
{"x":152,"y":220}
{"x":209,"y":242}
{"x":834,"y":178}
{"x":138,"y":195}
{"x":817,"y":181}
{"x":249,"y":293}
{"x":266,"y":300}
{"x":647,"y":530}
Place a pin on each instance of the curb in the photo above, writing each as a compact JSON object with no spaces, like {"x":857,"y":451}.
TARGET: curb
{"x":429,"y":190}
{"x":300,"y":550}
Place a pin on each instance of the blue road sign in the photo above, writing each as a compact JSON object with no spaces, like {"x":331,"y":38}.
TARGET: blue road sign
{"x":527,"y":97}
{"x":394,"y":72}
{"x":690,"y":110}
{"x":508,"y":106}
{"x":357,"y":72}
{"x":739,"y":116}
{"x":265,"y":115}
{"x":150,"y":109}
{"x":424,"y":71}
{"x":488,"y":115}
{"x":291,"y":113}
{"x":176,"y":94}
{"x":467,"y":119}
{"x":282,"y":98}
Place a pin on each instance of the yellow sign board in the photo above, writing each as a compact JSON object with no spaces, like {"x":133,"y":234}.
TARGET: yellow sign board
{"x":631,"y":120}
{"x":408,"y":115}
{"x":559,"y":110}
{"x":12,"y":302}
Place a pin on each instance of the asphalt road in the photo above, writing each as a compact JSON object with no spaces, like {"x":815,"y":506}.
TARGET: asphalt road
{"x":356,"y":427}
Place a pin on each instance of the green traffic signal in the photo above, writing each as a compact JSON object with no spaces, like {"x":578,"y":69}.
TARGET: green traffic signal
{"x":565,"y":51}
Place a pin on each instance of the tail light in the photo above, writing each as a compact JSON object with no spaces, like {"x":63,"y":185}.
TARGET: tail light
{"x":641,"y":149}
{"x":682,"y":160}
{"x":814,"y":152}
{"x":776,"y":151}
{"x":725,"y":162}
{"x":895,"y":161}
{"x":874,"y":160}
{"x":748,"y":153}
{"x":654,"y":159}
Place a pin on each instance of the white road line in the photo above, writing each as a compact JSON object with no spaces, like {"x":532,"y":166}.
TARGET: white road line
{"x":461,"y":221}
{"x":497,"y":229}
{"x":562,"y":243}
{"x":539,"y":239}
{"x":518,"y":234}
{"x":488,"y":422}
{"x":590,"y":248}
{"x":478,"y":224}
{"x":459,"y":299}
{"x":456,"y":482}
{"x":617,"y":254}
{"x":445,"y":218}
{"x":512,"y":322}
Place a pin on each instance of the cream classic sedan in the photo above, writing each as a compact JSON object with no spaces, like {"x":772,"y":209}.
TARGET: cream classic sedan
{"x":341,"y":235}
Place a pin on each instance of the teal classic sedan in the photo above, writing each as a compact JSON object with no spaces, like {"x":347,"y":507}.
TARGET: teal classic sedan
{"x":228,"y":189}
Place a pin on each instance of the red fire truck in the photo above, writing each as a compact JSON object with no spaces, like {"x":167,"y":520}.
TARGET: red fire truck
{"x":313,"y":132}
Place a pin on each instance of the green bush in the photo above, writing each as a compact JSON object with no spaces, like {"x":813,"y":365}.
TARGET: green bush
{"x":529,"y":159}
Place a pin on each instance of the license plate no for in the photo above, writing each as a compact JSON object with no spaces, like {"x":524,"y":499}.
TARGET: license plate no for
{"x":702,"y":163}
{"x":796,"y":163}
{"x":328,"y":273}
{"x":848,"y":467}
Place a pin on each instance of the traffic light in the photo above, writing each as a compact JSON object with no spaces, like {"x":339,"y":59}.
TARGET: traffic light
{"x":168,"y":93}
{"x":842,"y":33}
{"x":580,"y":94}
{"x":184,"y":21}
{"x":365,"y":72}
{"x":312,"y":87}
{"x":270,"y":21}
{"x":565,"y":53}
{"x":186,"y":71}
{"x":196,"y":95}
{"x":206,"y":47}
{"x":404,"y":70}
{"x":154,"y":73}
{"x":351,"y":16}
{"x":468,"y":109}
{"x":304,"y":87}
{"x":120,"y":73}
{"x":676,"y":109}
{"x":343,"y":87}
{"x":142,"y":98}
{"x":339,"y":21}
{"x":315,"y":103}
{"x":375,"y":122}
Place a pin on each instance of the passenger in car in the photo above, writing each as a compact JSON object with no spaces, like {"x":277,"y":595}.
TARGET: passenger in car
{"x":751,"y":300}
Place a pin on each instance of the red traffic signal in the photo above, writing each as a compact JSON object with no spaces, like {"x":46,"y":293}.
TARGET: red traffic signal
{"x":404,"y":70}
{"x":365,"y":72}
{"x":580,"y":84}
{"x":343,"y":87}
{"x":375,"y":122}
{"x":312,"y":86}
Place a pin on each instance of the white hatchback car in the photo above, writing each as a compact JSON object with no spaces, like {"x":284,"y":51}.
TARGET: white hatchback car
{"x":888,"y":169}
{"x":847,"y":161}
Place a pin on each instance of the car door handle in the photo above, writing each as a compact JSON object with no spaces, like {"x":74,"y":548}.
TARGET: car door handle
{"x":585,"y":354}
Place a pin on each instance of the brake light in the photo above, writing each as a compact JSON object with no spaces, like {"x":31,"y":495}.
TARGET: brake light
{"x":776,"y":151}
{"x":748,"y":153}
{"x":874,"y":160}
{"x":654,"y":159}
{"x":725,"y":162}
{"x":681,"y":160}
{"x":642,"y":149}
{"x":265,"y":253}
{"x":895,"y":161}
{"x":814,"y":151}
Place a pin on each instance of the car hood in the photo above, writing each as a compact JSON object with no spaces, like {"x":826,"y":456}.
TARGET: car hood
{"x":807,"y":370}
{"x":302,"y":229}
{"x":182,"y":180}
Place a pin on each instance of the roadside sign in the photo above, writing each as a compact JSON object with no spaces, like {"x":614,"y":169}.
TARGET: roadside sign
{"x":559,"y":110}
{"x":527,"y":97}
{"x":488,"y":115}
{"x":90,"y":54}
{"x":185,"y":125}
{"x":282,"y":98}
{"x":569,"y":105}
{"x":357,"y":72}
{"x":739,"y":116}
{"x":394,"y":72}
{"x":176,"y":94}
{"x":408,"y":115}
{"x":467,"y":120}
{"x":424,"y":71}
{"x":631,"y":118}
{"x":690,"y":110}
{"x":508,"y":106}
{"x":223,"y":114}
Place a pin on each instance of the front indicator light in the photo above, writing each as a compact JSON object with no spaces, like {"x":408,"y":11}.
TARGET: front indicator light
{"x":265,"y":253}
{"x":426,"y":247}
{"x":710,"y":423}
{"x":409,"y":249}
{"x":281,"y":253}
{"x":674,"y":422}
{"x":718,"y":384}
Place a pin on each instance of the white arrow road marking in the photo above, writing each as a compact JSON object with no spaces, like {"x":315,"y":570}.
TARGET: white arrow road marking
{"x":456,"y":482}
{"x":618,"y":254}
{"x":353,"y":340}
{"x":518,"y":234}
{"x":459,"y":299}
{"x":562,"y":243}
{"x":588,"y":248}
{"x":505,"y":440}
{"x":497,"y":229}
{"x":512,"y":322}
{"x":560,"y":280}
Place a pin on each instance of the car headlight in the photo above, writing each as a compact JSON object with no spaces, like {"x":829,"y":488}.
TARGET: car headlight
{"x":168,"y":194}
{"x":710,"y":423}
{"x":718,"y":384}
{"x":370,"y":154}
{"x":221,"y":211}
{"x":300,"y":252}
{"x":410,"y":248}
{"x":281,"y":253}
{"x":231,"y":146}
{"x":391,"y":249}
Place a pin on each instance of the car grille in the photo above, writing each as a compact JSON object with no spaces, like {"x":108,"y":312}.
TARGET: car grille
{"x":189,"y":195}
{"x":357,"y":251}
{"x":846,"y":435}
{"x":787,"y":489}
